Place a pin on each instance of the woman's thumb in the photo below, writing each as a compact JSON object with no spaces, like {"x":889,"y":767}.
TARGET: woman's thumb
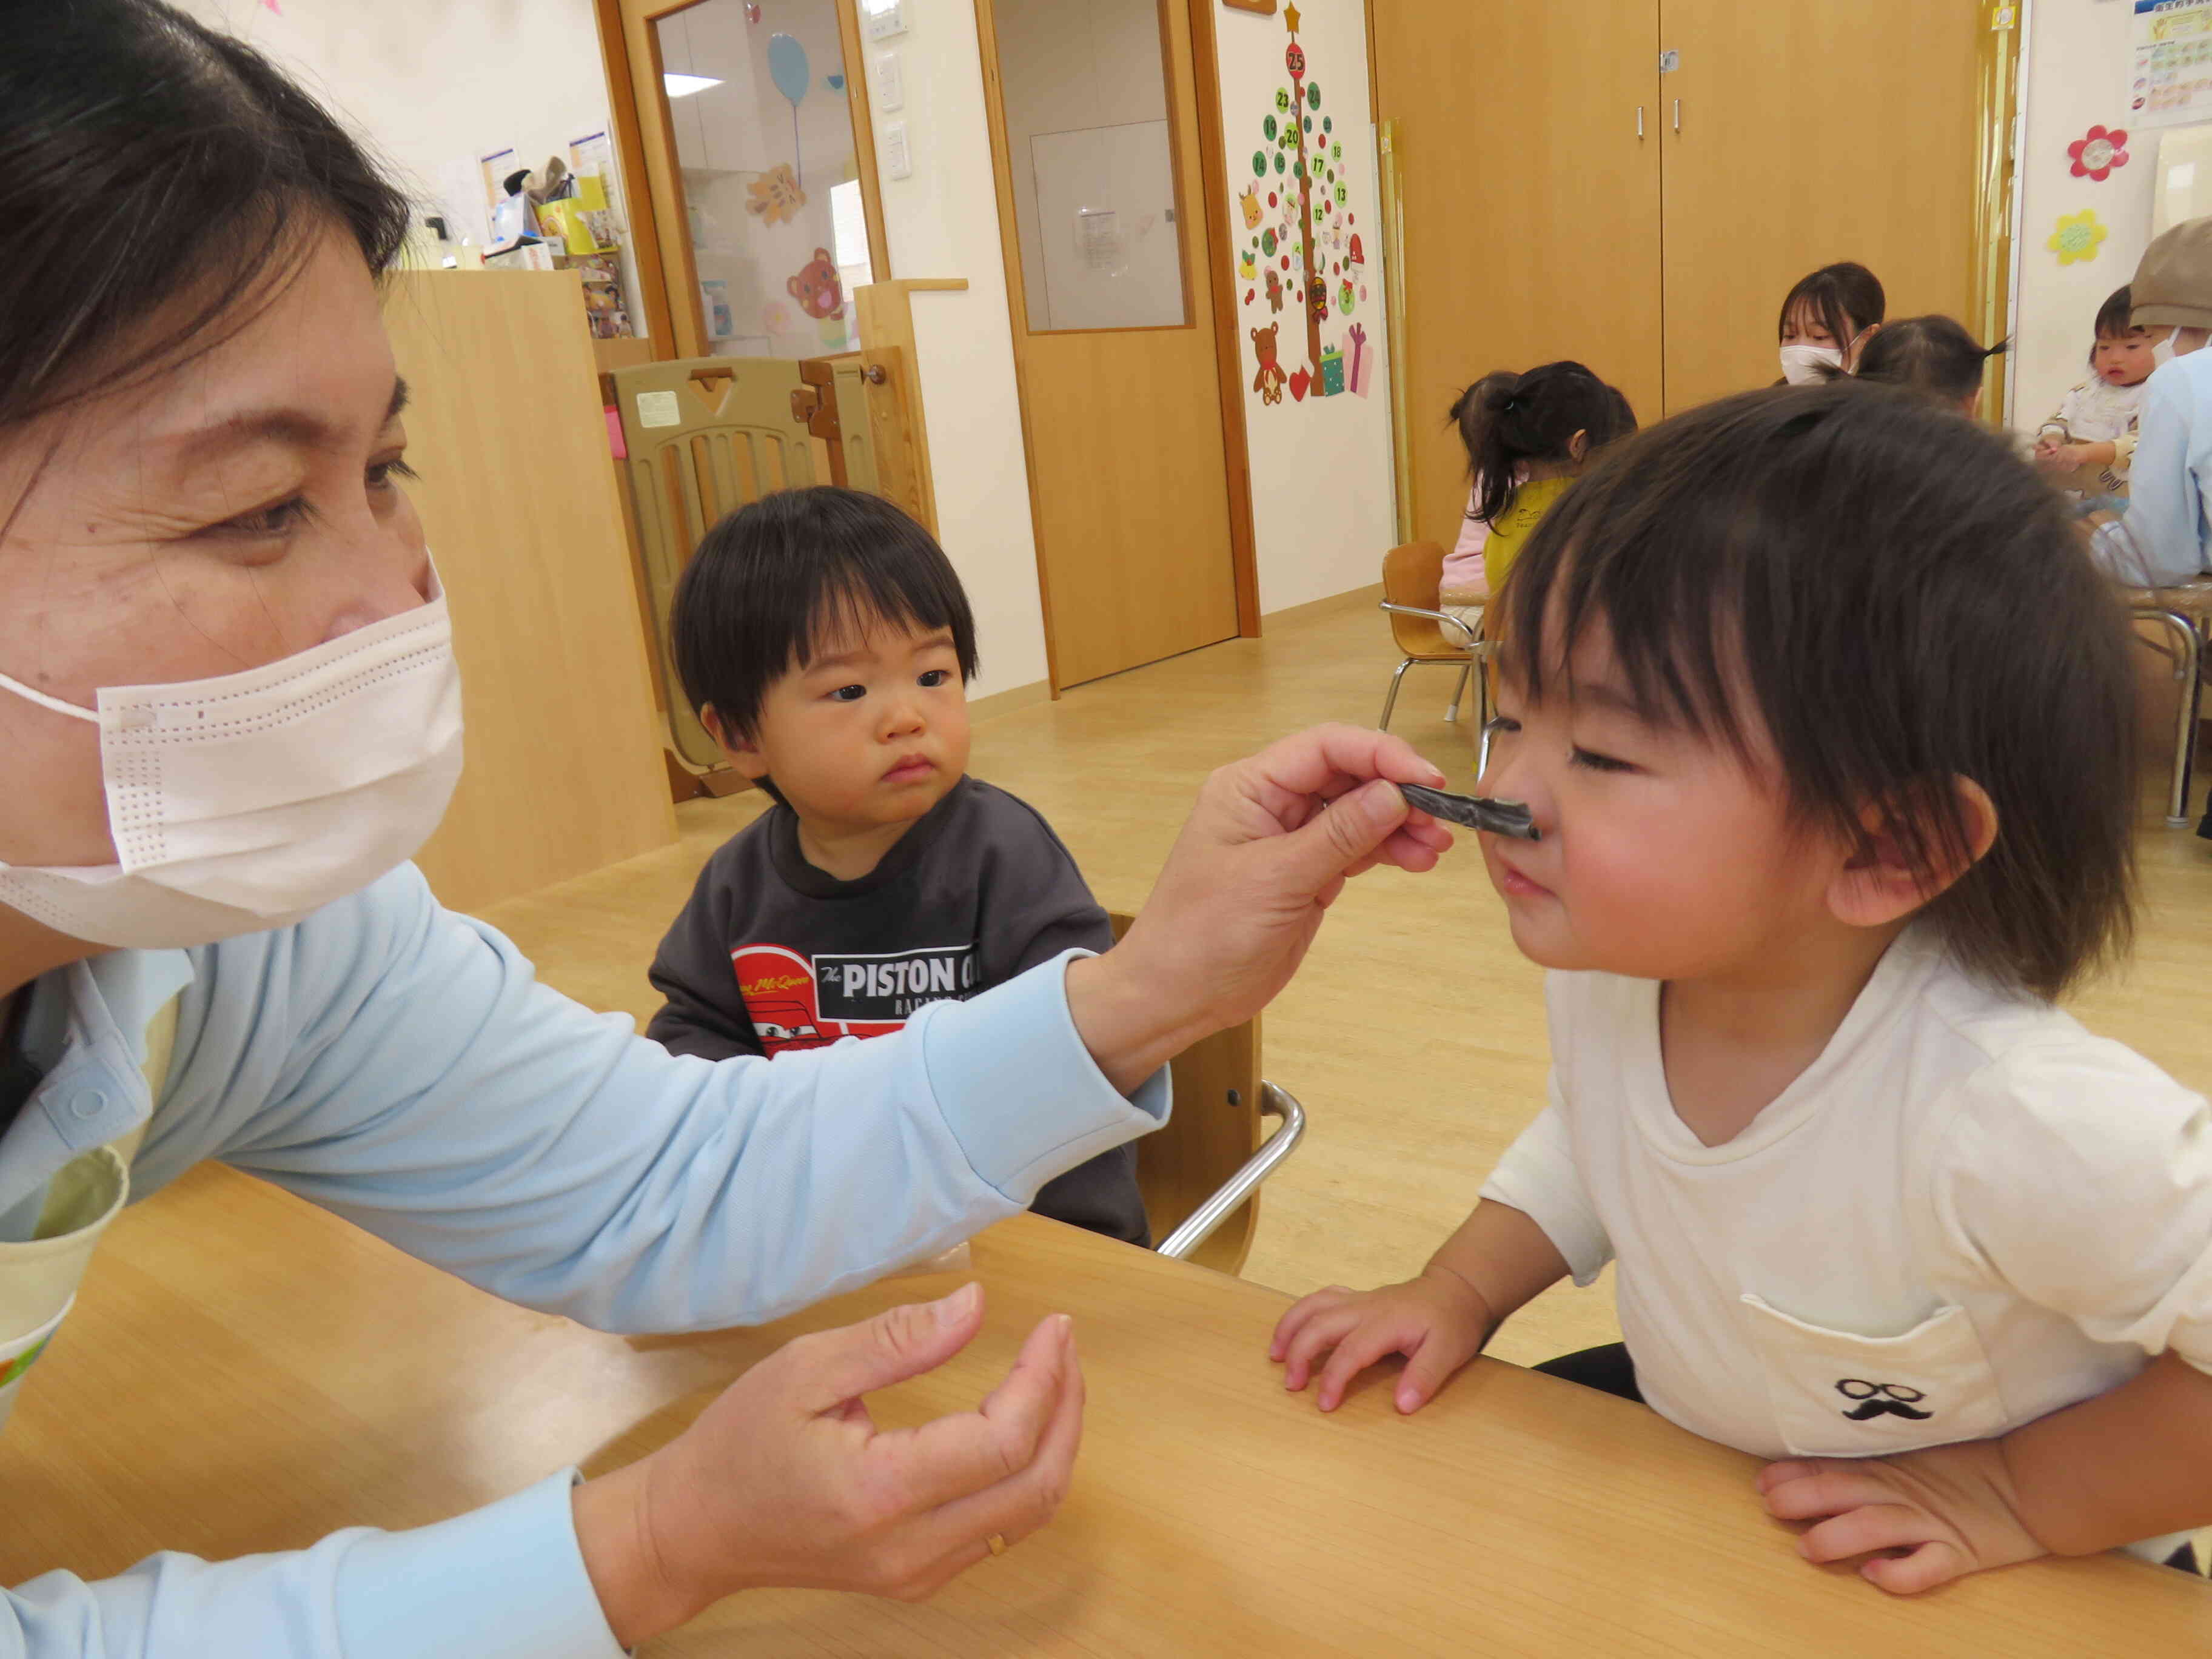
{"x":896,"y":1344}
{"x":1346,"y":832}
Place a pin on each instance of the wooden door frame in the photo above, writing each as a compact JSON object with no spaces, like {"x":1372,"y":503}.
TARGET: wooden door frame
{"x":1208,"y":246}
{"x":649,"y":240}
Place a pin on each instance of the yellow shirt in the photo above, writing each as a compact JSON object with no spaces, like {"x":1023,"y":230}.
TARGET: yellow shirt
{"x":1510,"y":534}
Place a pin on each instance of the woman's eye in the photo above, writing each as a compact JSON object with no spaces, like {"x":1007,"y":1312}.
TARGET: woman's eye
{"x":383,"y":474}
{"x":265,"y":521}
{"x":848,"y":694}
{"x":1591,"y":760}
{"x":935,"y":677}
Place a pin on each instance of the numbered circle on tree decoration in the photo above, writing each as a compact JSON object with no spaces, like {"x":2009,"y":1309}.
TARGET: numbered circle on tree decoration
{"x":1294,"y":59}
{"x":1327,"y":124}
{"x":1342,"y":195}
{"x":1313,"y":93}
{"x":1280,"y":163}
{"x":1282,"y":98}
{"x":1268,"y":127}
{"x":1335,"y":150}
{"x":1259,"y":160}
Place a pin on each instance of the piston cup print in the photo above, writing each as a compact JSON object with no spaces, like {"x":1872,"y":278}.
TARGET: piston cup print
{"x":39,"y":1275}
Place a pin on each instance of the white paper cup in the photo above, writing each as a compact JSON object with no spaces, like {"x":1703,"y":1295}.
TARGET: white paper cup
{"x":39,"y":1278}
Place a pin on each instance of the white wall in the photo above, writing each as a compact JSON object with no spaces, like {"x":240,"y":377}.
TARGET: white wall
{"x":2079,"y":64}
{"x":943,"y":221}
{"x":1321,"y":467}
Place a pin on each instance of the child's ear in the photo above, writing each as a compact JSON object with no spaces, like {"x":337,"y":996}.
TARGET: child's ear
{"x":1578,"y":446}
{"x":1879,"y":884}
{"x":743,"y":753}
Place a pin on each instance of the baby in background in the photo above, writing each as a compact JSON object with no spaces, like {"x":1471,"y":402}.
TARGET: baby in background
{"x":1882,"y":1213}
{"x":2088,"y":445}
{"x":825,"y":642}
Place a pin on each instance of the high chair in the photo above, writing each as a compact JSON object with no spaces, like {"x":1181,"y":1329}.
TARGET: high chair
{"x":1412,"y":580}
{"x":1200,"y":1174}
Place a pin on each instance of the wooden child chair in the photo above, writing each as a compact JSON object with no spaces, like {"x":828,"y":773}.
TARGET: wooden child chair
{"x":1412,"y":579}
{"x":1200,"y":1174}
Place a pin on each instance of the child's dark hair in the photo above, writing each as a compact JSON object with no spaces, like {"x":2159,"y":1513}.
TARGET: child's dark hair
{"x":773,"y":581}
{"x":1846,"y":299}
{"x":1933,"y":355}
{"x":1899,"y":601}
{"x":2115,"y":318}
{"x":1506,"y":420}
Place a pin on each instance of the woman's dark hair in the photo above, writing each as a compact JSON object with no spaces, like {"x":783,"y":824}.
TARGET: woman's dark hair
{"x":1899,"y":601}
{"x":1933,"y":355}
{"x":154,"y":170}
{"x":1846,"y":298}
{"x":1507,"y":420}
{"x":774,"y":581}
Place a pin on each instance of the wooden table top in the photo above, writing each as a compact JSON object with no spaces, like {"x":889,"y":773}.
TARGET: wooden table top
{"x":243,"y":1372}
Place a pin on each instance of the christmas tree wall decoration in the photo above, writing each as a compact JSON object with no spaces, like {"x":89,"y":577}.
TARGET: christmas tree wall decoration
{"x":1294,"y":223}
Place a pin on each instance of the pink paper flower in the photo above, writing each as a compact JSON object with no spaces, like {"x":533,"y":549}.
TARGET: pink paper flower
{"x":2096,"y":155}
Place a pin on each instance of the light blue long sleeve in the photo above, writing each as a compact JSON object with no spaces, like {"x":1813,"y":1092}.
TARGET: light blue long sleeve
{"x":2163,"y":537}
{"x":399,"y":1065}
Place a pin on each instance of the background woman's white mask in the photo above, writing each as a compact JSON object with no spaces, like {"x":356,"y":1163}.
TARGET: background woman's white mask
{"x":249,"y":801}
{"x":1808,"y":365}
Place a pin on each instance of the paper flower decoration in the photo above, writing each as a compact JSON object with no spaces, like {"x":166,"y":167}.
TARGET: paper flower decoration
{"x":2096,"y":155}
{"x":776,"y":195}
{"x":2077,"y":237}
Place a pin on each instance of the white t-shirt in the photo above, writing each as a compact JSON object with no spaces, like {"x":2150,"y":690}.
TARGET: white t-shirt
{"x":1967,"y":1213}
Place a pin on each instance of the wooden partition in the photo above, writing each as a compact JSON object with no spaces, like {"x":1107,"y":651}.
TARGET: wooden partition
{"x":564,"y":773}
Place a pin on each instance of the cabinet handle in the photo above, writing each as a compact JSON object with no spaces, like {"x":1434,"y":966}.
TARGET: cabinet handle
{"x":1640,"y":121}
{"x":1678,"y":115}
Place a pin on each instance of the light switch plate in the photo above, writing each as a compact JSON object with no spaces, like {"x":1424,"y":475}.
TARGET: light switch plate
{"x":884,"y":18}
{"x":896,"y":162}
{"x":890,"y":82}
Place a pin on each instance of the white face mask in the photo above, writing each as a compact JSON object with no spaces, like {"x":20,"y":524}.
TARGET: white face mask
{"x":1802,"y":365}
{"x":249,"y":801}
{"x":2163,"y":353}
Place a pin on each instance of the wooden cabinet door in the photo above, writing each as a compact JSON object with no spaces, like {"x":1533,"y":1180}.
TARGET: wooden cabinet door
{"x":1530,"y":205}
{"x":1809,"y":132}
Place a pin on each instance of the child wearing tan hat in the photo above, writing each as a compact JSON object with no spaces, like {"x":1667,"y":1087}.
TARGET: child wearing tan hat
{"x":2165,"y":525}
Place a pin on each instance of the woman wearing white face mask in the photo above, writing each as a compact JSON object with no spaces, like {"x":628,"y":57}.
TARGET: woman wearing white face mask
{"x":229,"y":712}
{"x":2165,"y":539}
{"x":1827,"y":321}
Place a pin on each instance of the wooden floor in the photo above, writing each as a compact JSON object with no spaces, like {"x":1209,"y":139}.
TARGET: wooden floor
{"x":1415,"y":1034}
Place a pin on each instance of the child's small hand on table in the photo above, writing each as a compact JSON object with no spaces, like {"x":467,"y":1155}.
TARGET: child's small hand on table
{"x":1439,"y":1321}
{"x":1949,"y":1509}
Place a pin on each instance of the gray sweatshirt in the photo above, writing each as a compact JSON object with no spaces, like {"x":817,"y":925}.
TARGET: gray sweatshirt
{"x":772,"y":954}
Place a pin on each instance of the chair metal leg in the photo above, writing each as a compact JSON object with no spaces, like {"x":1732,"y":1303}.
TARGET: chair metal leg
{"x":1451,"y":714}
{"x":1482,"y":713}
{"x":1390,"y":697}
{"x":2189,"y":670}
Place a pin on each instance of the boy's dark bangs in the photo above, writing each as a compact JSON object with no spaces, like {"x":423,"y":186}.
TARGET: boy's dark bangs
{"x":1601,"y":557}
{"x":846,"y":596}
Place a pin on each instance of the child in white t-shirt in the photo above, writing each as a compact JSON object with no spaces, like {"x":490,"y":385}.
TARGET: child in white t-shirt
{"x":2087,"y":445}
{"x":1826,"y":722}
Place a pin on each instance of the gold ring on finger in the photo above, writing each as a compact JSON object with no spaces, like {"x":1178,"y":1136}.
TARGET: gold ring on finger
{"x":998,"y":1543}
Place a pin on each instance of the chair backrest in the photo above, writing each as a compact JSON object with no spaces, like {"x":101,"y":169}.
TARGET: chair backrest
{"x":1413,"y":574}
{"x":1214,"y":1129}
{"x":705,"y":436}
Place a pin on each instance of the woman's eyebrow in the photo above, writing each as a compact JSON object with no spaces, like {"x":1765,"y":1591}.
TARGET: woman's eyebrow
{"x":296,"y":429}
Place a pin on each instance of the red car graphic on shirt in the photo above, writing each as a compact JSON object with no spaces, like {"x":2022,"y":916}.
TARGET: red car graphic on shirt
{"x":802,"y":1002}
